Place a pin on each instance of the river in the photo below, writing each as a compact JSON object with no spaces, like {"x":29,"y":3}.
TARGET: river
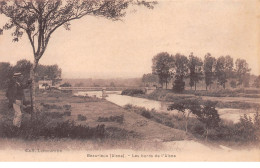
{"x":121,"y":100}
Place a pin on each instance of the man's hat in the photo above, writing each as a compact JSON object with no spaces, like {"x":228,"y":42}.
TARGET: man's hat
{"x":17,"y":74}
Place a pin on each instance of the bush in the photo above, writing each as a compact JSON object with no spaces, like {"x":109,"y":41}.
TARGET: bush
{"x":67,"y":106}
{"x":247,"y":130}
{"x":146,"y":114}
{"x":131,"y":92}
{"x":162,"y":118}
{"x":67,"y":113}
{"x":118,"y":119}
{"x":40,"y":129}
{"x":178,"y":85}
{"x":82,"y":117}
{"x":54,"y":114}
{"x":51,"y":106}
{"x":119,"y":133}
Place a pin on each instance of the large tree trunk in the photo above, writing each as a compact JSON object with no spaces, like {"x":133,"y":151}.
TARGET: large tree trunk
{"x":33,"y":90}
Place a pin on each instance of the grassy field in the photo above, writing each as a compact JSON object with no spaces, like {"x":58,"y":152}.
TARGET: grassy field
{"x":122,"y":127}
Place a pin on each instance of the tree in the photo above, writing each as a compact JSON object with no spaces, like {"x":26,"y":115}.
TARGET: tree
{"x":257,"y":82}
{"x":195,"y":70}
{"x":66,"y":84}
{"x":39,"y":19}
{"x":180,"y":71}
{"x":112,"y":84}
{"x":80,"y":84}
{"x":209,"y":67}
{"x":24,"y":67}
{"x":242,"y":71}
{"x":162,"y":64}
{"x":224,"y":69}
{"x":186,"y":107}
{"x":149,"y":79}
{"x":6,"y":72}
{"x":208,"y":116}
{"x":233,"y":84}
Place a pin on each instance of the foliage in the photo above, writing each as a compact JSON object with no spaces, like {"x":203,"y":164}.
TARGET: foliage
{"x":181,"y":66}
{"x":153,"y":115}
{"x":52,"y":72}
{"x":178,"y":85}
{"x":257,"y":82}
{"x":162,"y":64}
{"x":241,"y":70}
{"x":6,"y":72}
{"x":131,"y":92}
{"x":80,"y":84}
{"x":224,"y":69}
{"x":186,"y":107}
{"x":150,"y":79}
{"x":233,"y":84}
{"x":209,"y":68}
{"x":247,"y":130}
{"x":195,"y":70}
{"x":82,"y":117}
{"x":180,"y":72}
{"x":66,"y":84}
{"x":208,"y":116}
{"x":39,"y":19}
{"x":118,"y":119}
{"x":39,"y":128}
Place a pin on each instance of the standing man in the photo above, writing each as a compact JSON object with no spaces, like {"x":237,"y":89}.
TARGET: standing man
{"x":15,"y":95}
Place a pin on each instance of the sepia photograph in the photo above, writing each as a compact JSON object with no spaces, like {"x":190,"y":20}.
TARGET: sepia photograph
{"x":130,"y":80}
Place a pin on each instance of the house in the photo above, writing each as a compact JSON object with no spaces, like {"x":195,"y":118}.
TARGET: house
{"x":44,"y":84}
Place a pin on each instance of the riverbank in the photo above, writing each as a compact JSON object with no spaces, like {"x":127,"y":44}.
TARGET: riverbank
{"x":121,"y":126}
{"x":126,"y":133}
{"x":235,"y":102}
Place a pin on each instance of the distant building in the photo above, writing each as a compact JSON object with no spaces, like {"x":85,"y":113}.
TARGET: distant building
{"x":44,"y":84}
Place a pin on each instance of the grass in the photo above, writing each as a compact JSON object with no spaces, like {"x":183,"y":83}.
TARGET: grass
{"x":245,"y":132}
{"x":117,"y":119}
{"x":118,"y":122}
{"x":45,"y":126}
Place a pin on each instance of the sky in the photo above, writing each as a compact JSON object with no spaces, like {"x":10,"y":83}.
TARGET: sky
{"x":100,"y":48}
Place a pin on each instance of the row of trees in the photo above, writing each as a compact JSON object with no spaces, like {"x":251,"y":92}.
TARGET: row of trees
{"x":51,"y":72}
{"x":179,"y":67}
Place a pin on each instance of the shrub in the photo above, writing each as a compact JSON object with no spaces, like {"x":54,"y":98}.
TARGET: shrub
{"x":131,"y":92}
{"x":146,"y":114}
{"x":118,"y":119}
{"x":178,"y":85}
{"x":119,"y":133}
{"x":162,"y":118}
{"x":67,"y":113}
{"x":245,"y":131}
{"x":67,"y":106}
{"x":54,"y":114}
{"x":40,"y":129}
{"x":82,"y":117}
{"x":51,"y":106}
